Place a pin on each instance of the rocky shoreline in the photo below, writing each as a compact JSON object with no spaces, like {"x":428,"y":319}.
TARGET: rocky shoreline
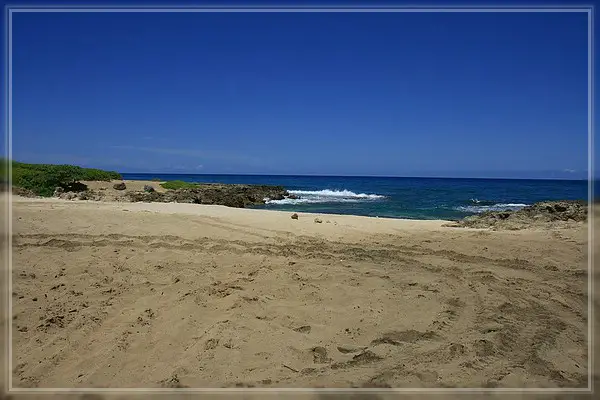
{"x":230,"y":195}
{"x":539,"y":214}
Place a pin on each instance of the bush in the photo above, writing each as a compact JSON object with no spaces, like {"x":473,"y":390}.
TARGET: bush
{"x":42,"y":179}
{"x":3,"y":170}
{"x":173,"y":185}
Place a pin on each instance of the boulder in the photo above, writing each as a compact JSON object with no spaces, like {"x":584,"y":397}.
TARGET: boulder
{"x":277,"y":196}
{"x":120,"y":186}
{"x":148,"y":188}
{"x":58,"y":191}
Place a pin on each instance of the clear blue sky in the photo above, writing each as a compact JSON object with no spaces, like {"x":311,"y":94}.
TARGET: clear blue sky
{"x":401,"y":94}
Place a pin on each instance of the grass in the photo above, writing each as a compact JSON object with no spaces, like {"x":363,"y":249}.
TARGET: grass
{"x":173,"y":185}
{"x":42,"y":179}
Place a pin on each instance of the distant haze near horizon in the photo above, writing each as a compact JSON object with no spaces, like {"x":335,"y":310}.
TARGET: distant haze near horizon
{"x":494,"y":95}
{"x":558,"y":175}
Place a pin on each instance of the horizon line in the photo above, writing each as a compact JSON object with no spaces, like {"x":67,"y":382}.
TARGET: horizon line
{"x":357,"y":176}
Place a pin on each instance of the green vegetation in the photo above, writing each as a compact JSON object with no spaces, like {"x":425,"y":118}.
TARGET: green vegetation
{"x":42,"y":179}
{"x":3,"y":170}
{"x":173,"y":185}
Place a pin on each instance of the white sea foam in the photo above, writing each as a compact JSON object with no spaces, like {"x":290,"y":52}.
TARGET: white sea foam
{"x":336,"y":194}
{"x":311,"y":201}
{"x":494,"y":207}
{"x":326,"y":196}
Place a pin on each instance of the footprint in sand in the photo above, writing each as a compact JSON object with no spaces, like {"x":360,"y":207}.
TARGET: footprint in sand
{"x":320,"y":355}
{"x":303,"y":329}
{"x":410,"y":336}
{"x":346,"y":349}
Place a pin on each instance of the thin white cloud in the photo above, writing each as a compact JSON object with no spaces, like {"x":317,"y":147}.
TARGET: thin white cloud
{"x":570,"y":171}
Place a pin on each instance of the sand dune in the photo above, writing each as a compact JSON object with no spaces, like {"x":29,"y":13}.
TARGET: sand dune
{"x":178,"y":295}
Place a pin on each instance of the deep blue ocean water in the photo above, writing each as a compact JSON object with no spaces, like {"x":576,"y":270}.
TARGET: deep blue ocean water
{"x":414,"y":198}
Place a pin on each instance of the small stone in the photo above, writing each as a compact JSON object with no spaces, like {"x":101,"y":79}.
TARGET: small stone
{"x":318,"y":221}
{"x":120,"y":186}
{"x":294,"y":216}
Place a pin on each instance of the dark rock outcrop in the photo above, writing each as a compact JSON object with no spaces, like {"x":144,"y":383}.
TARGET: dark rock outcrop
{"x":147,"y":197}
{"x":75,"y":187}
{"x":238,"y":196}
{"x":543,"y":213}
{"x":23,"y":192}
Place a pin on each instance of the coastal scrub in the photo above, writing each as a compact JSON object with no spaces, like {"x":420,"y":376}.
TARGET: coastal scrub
{"x":42,"y":179}
{"x":174,"y":185}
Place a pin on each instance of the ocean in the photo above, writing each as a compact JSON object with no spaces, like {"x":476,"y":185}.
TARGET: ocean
{"x":412,"y":198}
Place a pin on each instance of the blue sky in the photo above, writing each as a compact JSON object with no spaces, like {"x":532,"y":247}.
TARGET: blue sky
{"x":397,"y":94}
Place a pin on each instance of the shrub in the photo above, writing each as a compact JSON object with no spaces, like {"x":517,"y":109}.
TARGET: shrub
{"x":173,"y":185}
{"x":42,"y":179}
{"x":3,"y":169}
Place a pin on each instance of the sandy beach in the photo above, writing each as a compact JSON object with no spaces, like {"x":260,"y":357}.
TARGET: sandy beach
{"x":113,"y":294}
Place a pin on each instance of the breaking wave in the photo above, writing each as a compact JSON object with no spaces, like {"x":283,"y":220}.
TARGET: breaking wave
{"x":493,"y":207}
{"x":326,"y":196}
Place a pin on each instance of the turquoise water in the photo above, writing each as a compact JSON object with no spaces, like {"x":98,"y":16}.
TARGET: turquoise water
{"x":414,"y":198}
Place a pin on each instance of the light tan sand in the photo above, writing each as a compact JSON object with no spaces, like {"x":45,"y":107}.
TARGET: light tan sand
{"x":110,"y":193}
{"x":163,"y":295}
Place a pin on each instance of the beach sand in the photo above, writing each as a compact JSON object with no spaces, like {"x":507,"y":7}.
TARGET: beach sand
{"x":179,"y":295}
